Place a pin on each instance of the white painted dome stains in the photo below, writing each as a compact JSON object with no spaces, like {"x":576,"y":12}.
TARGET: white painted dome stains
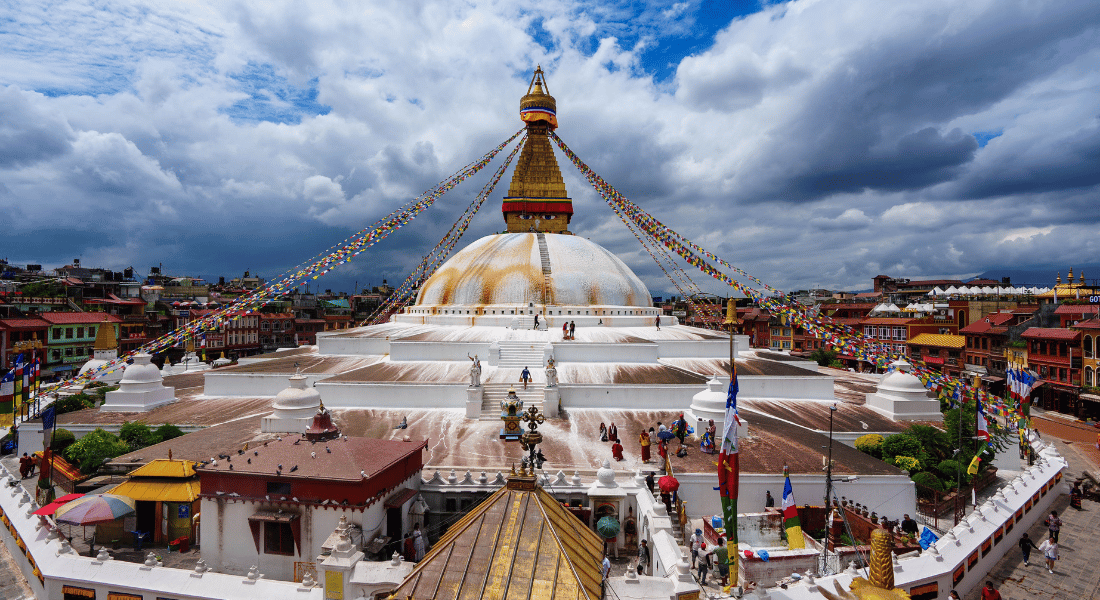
{"x":507,"y":269}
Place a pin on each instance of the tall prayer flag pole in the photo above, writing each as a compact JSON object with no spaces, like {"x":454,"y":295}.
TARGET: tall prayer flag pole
{"x":728,"y":467}
{"x":791,"y":523}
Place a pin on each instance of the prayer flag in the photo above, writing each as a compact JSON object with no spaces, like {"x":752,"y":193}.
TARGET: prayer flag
{"x":791,"y":523}
{"x":973,"y":468}
{"x":983,"y":426}
{"x":7,"y":398}
{"x":729,"y":474}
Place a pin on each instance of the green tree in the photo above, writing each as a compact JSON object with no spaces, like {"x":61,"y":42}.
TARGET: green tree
{"x":901,"y":444}
{"x":137,"y":435}
{"x":167,"y":432}
{"x":928,"y":480}
{"x":62,"y":438}
{"x":824,"y":357}
{"x":94,"y":449}
{"x":66,"y":404}
{"x":870,"y":444}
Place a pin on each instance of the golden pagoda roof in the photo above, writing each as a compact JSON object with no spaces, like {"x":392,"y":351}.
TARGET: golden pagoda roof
{"x":537,"y":174}
{"x":105,"y":337}
{"x":519,"y":543}
{"x":166,"y":467}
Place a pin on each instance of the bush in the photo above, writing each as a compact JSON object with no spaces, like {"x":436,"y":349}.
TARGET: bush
{"x":933,"y":441}
{"x":167,"y":432}
{"x":137,"y":435}
{"x":823,"y":356}
{"x":66,"y":404}
{"x":949,"y":470}
{"x":94,"y":449}
{"x":870,"y":444}
{"x":908,"y":463}
{"x":900,"y":444}
{"x":62,"y":439}
{"x":928,"y":480}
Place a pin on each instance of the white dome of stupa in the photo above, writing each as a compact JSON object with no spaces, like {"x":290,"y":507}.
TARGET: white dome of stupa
{"x":901,"y":380}
{"x":508,"y":269}
{"x":140,"y":389}
{"x":902,"y":397}
{"x":142,"y":371}
{"x":104,"y":351}
{"x":294,"y":408}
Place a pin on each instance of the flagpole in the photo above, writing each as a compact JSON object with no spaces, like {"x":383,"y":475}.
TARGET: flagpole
{"x":729,"y":500}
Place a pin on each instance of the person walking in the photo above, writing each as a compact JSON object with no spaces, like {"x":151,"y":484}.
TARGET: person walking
{"x":696,"y":541}
{"x":1049,"y":549}
{"x":650,"y":481}
{"x":768,"y":500}
{"x":652,"y":437}
{"x":1026,"y":544}
{"x":705,"y":563}
{"x":643,"y":440}
{"x":565,"y":330}
{"x":605,"y":572}
{"x":525,"y":376}
{"x":572,"y":330}
{"x":643,"y":557}
{"x":722,"y":560}
{"x":536,"y":321}
{"x":989,"y":592}
{"x":420,"y":547}
{"x":658,"y":322}
{"x":1054,"y":525}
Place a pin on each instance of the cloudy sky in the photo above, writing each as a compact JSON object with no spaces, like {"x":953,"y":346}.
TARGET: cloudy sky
{"x":812,"y":143}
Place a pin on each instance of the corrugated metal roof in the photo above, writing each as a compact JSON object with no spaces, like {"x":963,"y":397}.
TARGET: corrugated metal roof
{"x":940,"y":340}
{"x":159,"y":490}
{"x":519,"y":543}
{"x":164,"y":467}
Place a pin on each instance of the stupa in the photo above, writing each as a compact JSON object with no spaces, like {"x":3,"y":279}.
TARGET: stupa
{"x":104,"y":351}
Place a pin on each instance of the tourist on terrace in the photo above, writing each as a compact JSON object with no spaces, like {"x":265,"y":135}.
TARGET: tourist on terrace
{"x":603,"y":432}
{"x":565,"y":330}
{"x":1054,"y":525}
{"x":722,"y":560}
{"x":572,"y":330}
{"x":643,"y":440}
{"x":658,"y":322}
{"x":989,"y":592}
{"x":536,"y":321}
{"x":1050,"y":551}
{"x":769,"y":501}
{"x":643,"y":556}
{"x":613,"y":433}
{"x":617,"y":450}
{"x":1026,"y":544}
{"x":525,"y":376}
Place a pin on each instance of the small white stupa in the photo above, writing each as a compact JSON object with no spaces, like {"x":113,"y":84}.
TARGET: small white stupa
{"x":294,"y":408}
{"x":710,"y":404}
{"x":190,"y":362}
{"x":902,"y":397}
{"x":141,"y":389}
{"x":104,"y":351}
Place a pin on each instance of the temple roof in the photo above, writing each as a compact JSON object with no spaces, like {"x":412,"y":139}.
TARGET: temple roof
{"x":105,"y":337}
{"x":519,"y":543}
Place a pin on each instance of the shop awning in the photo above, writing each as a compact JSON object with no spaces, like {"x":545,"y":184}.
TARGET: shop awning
{"x":933,"y":360}
{"x":159,"y":491}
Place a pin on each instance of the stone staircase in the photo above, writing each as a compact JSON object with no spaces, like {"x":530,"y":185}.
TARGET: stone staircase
{"x":544,"y":254}
{"x":677,"y":530}
{"x":492,"y":394}
{"x":516,"y":354}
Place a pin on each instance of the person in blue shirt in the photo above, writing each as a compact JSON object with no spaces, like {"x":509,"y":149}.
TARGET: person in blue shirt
{"x":525,"y":376}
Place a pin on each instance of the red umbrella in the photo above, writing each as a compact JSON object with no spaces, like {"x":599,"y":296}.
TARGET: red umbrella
{"x":668,"y":484}
{"x":52,"y":507}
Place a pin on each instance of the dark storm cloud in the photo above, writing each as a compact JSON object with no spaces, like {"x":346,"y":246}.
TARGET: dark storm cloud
{"x":28,"y":133}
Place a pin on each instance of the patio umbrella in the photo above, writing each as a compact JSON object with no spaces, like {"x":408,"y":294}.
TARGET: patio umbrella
{"x":668,"y":484}
{"x":52,"y":507}
{"x":666,"y":434}
{"x":607,"y":527}
{"x":96,"y":508}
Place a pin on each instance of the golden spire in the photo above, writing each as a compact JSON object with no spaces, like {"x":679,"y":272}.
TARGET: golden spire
{"x":105,"y":337}
{"x":537,"y":200}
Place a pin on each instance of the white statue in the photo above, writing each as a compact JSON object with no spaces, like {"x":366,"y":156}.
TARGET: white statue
{"x":475,"y":371}
{"x":551,"y":373}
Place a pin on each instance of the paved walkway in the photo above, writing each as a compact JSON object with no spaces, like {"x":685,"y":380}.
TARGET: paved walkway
{"x":1076,"y":576}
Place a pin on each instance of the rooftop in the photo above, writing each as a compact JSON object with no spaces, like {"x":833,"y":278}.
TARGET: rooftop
{"x":77,"y":318}
{"x":1049,"y":333}
{"x":938,"y":340}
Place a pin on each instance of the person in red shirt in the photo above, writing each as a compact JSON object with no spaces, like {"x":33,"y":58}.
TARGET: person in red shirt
{"x":988,"y":593}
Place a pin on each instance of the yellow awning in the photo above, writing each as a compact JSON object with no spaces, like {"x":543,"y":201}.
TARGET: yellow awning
{"x":163,"y":467}
{"x":163,"y":491}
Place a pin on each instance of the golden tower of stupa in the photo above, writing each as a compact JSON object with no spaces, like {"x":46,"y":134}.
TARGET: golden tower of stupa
{"x":537,"y":200}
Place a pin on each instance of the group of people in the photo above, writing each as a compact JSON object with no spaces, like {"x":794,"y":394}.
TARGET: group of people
{"x":414,"y":546}
{"x":706,"y":558}
{"x":611,"y":434}
{"x":27,"y":464}
{"x":568,"y":329}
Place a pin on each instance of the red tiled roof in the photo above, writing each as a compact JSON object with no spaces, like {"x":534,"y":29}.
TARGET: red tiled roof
{"x":77,"y":318}
{"x":1049,"y":333}
{"x":1077,"y":309}
{"x":983,"y":326}
{"x":868,"y":295}
{"x":1090,"y":324}
{"x":25,"y":323}
{"x":1001,"y":318}
{"x":339,"y":459}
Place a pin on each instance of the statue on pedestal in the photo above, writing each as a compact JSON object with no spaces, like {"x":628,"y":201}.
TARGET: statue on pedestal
{"x":551,"y":373}
{"x":475,"y":371}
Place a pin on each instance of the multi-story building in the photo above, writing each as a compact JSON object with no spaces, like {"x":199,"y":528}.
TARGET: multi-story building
{"x":1055,"y":355}
{"x":1070,"y":314}
{"x":25,"y":335}
{"x":985,"y":343}
{"x":277,"y":330}
{"x":939,"y":351}
{"x":71,"y":337}
{"x":306,"y":330}
{"x":1090,"y":345}
{"x":236,"y":334}
{"x":134,"y":326}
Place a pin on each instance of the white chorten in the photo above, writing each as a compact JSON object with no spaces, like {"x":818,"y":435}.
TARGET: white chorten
{"x":294,"y":408}
{"x":902,"y":397}
{"x":104,"y":351}
{"x":141,"y":388}
{"x":711,"y":404}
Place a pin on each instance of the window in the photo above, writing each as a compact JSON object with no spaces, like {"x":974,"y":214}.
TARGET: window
{"x":79,"y":332}
{"x":278,"y":539}
{"x":278,"y":487}
{"x":68,"y":351}
{"x":899,"y":333}
{"x":57,"y":333}
{"x":68,"y":333}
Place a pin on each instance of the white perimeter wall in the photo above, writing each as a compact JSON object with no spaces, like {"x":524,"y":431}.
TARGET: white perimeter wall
{"x":253,"y":384}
